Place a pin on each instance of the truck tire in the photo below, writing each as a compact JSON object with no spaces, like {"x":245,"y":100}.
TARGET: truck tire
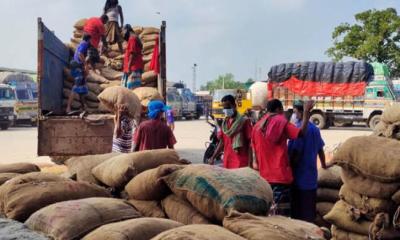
{"x":319,"y":120}
{"x":342,"y":124}
{"x":373,"y":121}
{"x":4,"y":126}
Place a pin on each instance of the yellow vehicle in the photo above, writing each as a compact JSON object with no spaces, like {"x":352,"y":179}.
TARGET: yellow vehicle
{"x":243,"y":101}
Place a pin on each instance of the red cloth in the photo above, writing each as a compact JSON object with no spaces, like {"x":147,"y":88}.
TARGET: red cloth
{"x":133,"y":48}
{"x":233,"y":159}
{"x":154,"y":134}
{"x":271,"y":148}
{"x":95,"y":28}
{"x":155,"y":63}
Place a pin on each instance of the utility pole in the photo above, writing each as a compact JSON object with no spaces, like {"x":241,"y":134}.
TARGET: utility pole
{"x":194,"y":77}
{"x":223,"y":82}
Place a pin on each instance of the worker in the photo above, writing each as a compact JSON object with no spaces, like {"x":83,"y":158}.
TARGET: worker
{"x":235,"y":137}
{"x":169,"y":117}
{"x":94,"y":27}
{"x":122,"y":140}
{"x":133,"y":60}
{"x":303,"y":153}
{"x":269,"y":139}
{"x":113,"y":30}
{"x":154,"y":133}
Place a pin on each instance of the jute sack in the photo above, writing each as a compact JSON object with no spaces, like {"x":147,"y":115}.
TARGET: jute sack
{"x":327,"y":195}
{"x":133,"y":229}
{"x":150,"y":37}
{"x":320,"y":222}
{"x":396,"y":219}
{"x":377,"y":158}
{"x":118,"y":171}
{"x":369,"y":207}
{"x":95,"y":88}
{"x":396,"y":197}
{"x":215,"y":191}
{"x":148,"y":208}
{"x":149,"y":31}
{"x":19,"y":168}
{"x":391,"y":114}
{"x":4,"y":177}
{"x":110,"y":84}
{"x":96,"y":78}
{"x":147,"y":94}
{"x":80,"y":24}
{"x":148,"y":45}
{"x":339,"y":234}
{"x":111,"y":74}
{"x":78,"y":34}
{"x":198,"y":232}
{"x":148,"y":185}
{"x":24,"y":199}
{"x":71,"y":220}
{"x":329,"y":178}
{"x":113,"y":96}
{"x":149,"y":76}
{"x":252,"y":227}
{"x":324,"y":207}
{"x":181,"y":211}
{"x":82,"y":166}
{"x":342,"y":216}
{"x":365,"y":186}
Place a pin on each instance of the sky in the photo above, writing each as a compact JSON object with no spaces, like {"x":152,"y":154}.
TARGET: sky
{"x":243,"y":37}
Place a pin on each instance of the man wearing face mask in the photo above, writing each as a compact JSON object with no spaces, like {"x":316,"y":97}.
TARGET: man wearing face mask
{"x":235,"y":137}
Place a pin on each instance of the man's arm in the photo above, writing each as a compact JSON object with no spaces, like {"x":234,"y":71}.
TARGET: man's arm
{"x":121,"y":14}
{"x":308,"y":106}
{"x":322,"y":159}
{"x":217,"y":151}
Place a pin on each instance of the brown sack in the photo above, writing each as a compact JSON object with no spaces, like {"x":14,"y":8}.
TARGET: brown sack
{"x":78,"y":34}
{"x":19,"y":168}
{"x":198,"y":232}
{"x":324,"y":207}
{"x":114,"y":96}
{"x":21,"y":200}
{"x":147,"y":94}
{"x":275,"y":227}
{"x":118,"y":171}
{"x":4,"y":177}
{"x":149,"y":31}
{"x":110,"y":84}
{"x":374,"y":157}
{"x":148,"y":208}
{"x":396,"y":197}
{"x":181,"y":211}
{"x":330,"y":178}
{"x":149,"y":76}
{"x":82,"y":166}
{"x":215,"y":191}
{"x":138,"y":30}
{"x":80,"y":24}
{"x":149,"y":37}
{"x":111,"y":74}
{"x":148,"y":45}
{"x":339,"y":234}
{"x":327,"y":195}
{"x":134,"y":229}
{"x":96,"y":78}
{"x":148,"y":186}
{"x":71,"y":220}
{"x":95,"y":88}
{"x":320,"y":222}
{"x":391,"y":114}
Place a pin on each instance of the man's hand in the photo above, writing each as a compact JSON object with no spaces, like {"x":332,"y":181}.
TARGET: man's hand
{"x":255,"y":165}
{"x":211,"y":161}
{"x":309,"y":105}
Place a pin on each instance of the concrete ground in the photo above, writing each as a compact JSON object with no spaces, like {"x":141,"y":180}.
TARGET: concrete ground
{"x":19,"y":144}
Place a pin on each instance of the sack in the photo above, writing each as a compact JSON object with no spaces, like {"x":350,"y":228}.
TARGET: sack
{"x":259,"y":94}
{"x":21,"y":200}
{"x":324,"y":207}
{"x":214,"y":191}
{"x":148,"y":186}
{"x":396,"y":197}
{"x":149,"y":76}
{"x":118,"y":171}
{"x":365,"y":186}
{"x":149,"y":31}
{"x":71,"y":220}
{"x":148,"y":45}
{"x":113,"y":96}
{"x":96,"y":78}
{"x":111,"y":74}
{"x":320,"y":222}
{"x":339,"y":234}
{"x":148,"y":208}
{"x":80,"y":24}
{"x":13,"y":230}
{"x":110,"y":84}
{"x":147,"y":94}
{"x":197,"y":232}
{"x":19,"y":168}
{"x":95,"y":88}
{"x":134,"y":229}
{"x":78,"y":34}
{"x":327,"y":195}
{"x":391,"y":114}
{"x":149,"y":37}
{"x":362,"y":155}
{"x":330,"y":178}
{"x":4,"y":177}
{"x":82,"y":166}
{"x":275,"y":227}
{"x":181,"y":211}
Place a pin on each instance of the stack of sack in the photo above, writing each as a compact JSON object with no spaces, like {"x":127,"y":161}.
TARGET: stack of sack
{"x":370,"y":193}
{"x":329,"y":184}
{"x":389,"y":126}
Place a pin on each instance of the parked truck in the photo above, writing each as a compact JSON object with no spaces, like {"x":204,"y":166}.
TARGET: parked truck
{"x":61,"y":135}
{"x":7,"y":101}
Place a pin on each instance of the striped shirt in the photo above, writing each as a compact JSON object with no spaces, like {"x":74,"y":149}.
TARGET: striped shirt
{"x":123,"y":144}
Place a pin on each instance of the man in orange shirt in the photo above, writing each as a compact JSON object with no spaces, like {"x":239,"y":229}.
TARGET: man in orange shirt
{"x":133,"y":59}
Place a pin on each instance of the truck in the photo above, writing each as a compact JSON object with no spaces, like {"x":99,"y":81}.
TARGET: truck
{"x":60,"y":135}
{"x":374,"y":92}
{"x":7,"y":101}
{"x":174,"y":100}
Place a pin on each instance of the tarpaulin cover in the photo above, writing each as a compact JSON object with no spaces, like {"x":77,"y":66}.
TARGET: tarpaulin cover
{"x":322,"y":78}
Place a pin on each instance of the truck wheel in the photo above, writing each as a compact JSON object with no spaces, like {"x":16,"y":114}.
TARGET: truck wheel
{"x":319,"y":120}
{"x":4,"y":126}
{"x":374,"y":121}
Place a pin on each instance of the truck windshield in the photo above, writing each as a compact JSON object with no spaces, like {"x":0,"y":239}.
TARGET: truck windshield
{"x":6,"y":94}
{"x":23,"y":94}
{"x":219,"y":94}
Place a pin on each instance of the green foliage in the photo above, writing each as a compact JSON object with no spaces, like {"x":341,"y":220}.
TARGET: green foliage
{"x":226,"y":81}
{"x":375,"y":37}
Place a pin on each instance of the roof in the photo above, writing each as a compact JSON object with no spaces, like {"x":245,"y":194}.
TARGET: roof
{"x":15,"y":70}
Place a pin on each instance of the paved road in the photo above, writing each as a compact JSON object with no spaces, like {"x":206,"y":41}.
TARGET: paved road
{"x":19,"y":144}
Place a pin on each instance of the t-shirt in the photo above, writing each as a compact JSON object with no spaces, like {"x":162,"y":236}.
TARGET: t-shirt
{"x":134,"y":47}
{"x":239,"y":159}
{"x":154,"y":134}
{"x":81,"y":49}
{"x":306,"y":173}
{"x":272,"y":156}
{"x":95,"y":28}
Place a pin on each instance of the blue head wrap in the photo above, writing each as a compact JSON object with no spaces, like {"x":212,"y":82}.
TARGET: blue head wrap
{"x":155,"y":107}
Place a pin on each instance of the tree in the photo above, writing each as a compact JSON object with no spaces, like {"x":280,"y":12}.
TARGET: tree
{"x":226,"y":81}
{"x":374,"y":37}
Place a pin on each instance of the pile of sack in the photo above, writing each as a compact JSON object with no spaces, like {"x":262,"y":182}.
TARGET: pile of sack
{"x":389,"y":125}
{"x":370,"y":194}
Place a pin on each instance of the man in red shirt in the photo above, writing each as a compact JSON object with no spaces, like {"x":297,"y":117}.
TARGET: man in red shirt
{"x":154,"y":133}
{"x":94,"y":27}
{"x":269,"y":139}
{"x":235,"y":137}
{"x":133,"y":59}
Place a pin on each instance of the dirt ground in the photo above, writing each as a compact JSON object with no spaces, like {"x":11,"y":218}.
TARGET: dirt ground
{"x":19,"y":144}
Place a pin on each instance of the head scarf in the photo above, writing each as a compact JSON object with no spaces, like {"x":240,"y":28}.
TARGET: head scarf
{"x":154,"y":108}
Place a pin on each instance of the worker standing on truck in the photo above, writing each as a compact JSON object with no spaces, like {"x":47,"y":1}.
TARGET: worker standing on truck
{"x":154,"y":133}
{"x":122,"y":140}
{"x":133,"y":59}
{"x":235,"y":137}
{"x":303,"y":153}
{"x":113,"y":30}
{"x":269,"y":139}
{"x":95,"y":28}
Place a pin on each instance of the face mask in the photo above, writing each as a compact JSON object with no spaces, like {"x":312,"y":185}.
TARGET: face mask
{"x":228,"y":112}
